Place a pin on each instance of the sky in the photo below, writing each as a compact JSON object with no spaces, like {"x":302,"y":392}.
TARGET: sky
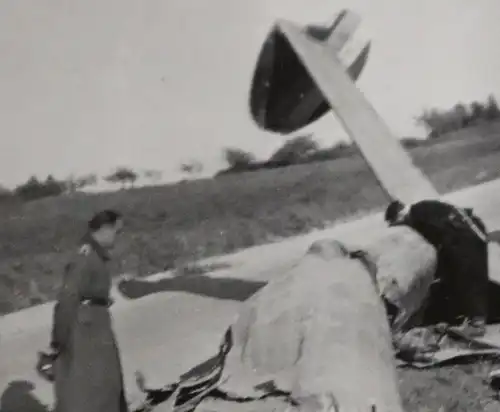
{"x":86,"y":86}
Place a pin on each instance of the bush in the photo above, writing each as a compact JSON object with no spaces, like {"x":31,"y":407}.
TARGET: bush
{"x":34,"y":189}
{"x":438,"y":122}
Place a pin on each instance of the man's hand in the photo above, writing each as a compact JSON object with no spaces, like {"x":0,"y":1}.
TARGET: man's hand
{"x":45,"y":364}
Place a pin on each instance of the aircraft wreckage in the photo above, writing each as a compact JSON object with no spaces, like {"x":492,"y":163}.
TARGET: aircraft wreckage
{"x":317,"y":336}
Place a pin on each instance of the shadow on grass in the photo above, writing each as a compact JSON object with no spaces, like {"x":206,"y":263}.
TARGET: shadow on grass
{"x":219,"y":288}
{"x":18,"y":397}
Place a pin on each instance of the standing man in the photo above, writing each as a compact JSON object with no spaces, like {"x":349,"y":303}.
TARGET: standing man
{"x":88,"y":372}
{"x":461,"y":241}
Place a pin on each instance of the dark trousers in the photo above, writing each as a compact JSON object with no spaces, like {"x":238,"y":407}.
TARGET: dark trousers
{"x":463,"y":271}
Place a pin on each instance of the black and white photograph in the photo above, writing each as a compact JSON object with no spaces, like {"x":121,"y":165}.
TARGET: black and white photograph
{"x":249,"y":206}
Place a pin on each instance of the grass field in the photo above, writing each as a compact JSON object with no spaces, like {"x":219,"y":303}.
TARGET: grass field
{"x":170,"y":226}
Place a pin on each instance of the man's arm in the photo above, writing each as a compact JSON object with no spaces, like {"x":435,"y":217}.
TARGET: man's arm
{"x":66,"y":306}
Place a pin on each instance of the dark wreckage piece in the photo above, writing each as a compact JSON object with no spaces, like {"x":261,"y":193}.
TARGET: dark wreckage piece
{"x":283,"y":96}
{"x":306,"y":340}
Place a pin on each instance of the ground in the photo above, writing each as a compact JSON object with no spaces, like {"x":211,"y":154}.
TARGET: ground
{"x":171,"y":226}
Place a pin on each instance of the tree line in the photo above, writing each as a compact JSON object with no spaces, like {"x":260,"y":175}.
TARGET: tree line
{"x":297,"y":150}
{"x":304,"y":149}
{"x":35,"y":188}
{"x":439,"y":122}
{"x":123,"y":177}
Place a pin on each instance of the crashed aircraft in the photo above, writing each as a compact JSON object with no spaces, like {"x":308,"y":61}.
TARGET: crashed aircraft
{"x":317,"y":338}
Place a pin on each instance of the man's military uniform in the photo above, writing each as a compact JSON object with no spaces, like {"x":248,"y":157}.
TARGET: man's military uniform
{"x":88,"y":372}
{"x":460,"y":239}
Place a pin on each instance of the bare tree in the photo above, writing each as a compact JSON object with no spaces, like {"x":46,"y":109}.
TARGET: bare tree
{"x":122,"y":175}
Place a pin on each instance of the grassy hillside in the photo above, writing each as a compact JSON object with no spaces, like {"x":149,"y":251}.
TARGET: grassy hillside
{"x":168,"y":226}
